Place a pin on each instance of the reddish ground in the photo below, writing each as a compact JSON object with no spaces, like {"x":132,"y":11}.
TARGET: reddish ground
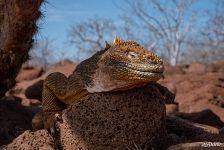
{"x":198,"y":87}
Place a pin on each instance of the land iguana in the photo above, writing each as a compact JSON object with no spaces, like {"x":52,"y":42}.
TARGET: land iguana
{"x":120,"y":66}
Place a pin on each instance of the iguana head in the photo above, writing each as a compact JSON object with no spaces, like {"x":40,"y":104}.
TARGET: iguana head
{"x":124,"y":65}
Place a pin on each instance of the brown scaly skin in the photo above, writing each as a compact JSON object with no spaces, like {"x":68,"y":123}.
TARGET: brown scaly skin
{"x":120,"y":66}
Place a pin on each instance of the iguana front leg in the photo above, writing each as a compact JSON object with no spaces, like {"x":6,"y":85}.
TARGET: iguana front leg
{"x":59,"y":92}
{"x":54,"y":89}
{"x":51,"y":104}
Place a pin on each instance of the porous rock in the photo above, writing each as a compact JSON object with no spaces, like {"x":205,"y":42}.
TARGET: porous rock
{"x":206,"y":116}
{"x":198,"y":146}
{"x":14,"y":118}
{"x":187,"y":131}
{"x":35,"y":90}
{"x":116,"y":120}
{"x":39,"y":140}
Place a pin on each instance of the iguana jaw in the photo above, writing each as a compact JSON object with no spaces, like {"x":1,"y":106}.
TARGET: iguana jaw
{"x":145,"y":67}
{"x":142,"y":69}
{"x":135,"y":72}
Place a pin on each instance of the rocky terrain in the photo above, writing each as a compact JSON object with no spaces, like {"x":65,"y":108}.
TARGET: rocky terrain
{"x":197,"y":114}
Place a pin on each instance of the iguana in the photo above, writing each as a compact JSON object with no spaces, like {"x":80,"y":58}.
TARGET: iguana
{"x":120,"y":66}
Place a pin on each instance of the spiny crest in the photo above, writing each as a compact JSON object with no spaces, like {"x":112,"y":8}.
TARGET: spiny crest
{"x":107,"y":45}
{"x":118,"y":41}
{"x":127,"y":44}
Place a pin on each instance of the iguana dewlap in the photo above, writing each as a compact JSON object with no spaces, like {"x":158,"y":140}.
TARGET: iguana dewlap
{"x":120,"y":66}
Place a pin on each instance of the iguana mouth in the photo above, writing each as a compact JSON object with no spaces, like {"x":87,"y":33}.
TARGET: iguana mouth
{"x":145,"y":68}
{"x":145,"y":72}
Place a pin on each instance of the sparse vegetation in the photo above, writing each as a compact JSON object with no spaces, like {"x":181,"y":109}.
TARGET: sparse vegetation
{"x":209,"y":46}
{"x":174,"y":30}
{"x":90,"y":36}
{"x":42,"y":53}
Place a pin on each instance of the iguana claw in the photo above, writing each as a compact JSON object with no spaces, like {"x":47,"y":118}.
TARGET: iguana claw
{"x":55,"y":132}
{"x":58,"y":118}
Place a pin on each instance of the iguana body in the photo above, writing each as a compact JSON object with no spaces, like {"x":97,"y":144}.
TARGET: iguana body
{"x":120,"y":66}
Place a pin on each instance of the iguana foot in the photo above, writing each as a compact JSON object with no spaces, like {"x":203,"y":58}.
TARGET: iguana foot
{"x":55,"y":134}
{"x":55,"y":131}
{"x":58,"y":117}
{"x":37,"y":121}
{"x":51,"y":118}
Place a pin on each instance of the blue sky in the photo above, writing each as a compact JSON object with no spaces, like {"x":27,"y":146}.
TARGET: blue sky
{"x":60,"y":15}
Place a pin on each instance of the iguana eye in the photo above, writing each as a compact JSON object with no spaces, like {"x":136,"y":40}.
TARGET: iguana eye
{"x":132,"y":55}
